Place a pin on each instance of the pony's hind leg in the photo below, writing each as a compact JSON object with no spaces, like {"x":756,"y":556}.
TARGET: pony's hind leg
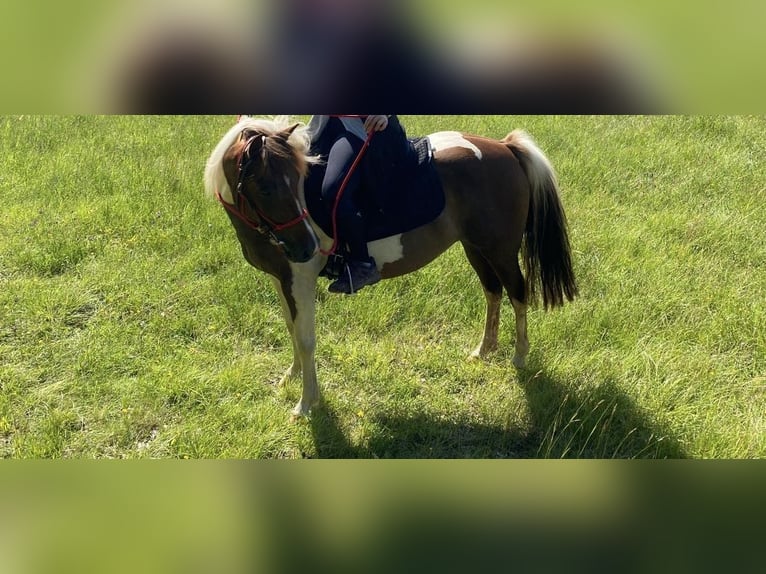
{"x":493,"y":291}
{"x":497,"y":271}
{"x":522,"y":341}
{"x":510,"y":274}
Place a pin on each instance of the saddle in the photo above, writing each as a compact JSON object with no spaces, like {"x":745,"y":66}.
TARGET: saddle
{"x":403,"y":198}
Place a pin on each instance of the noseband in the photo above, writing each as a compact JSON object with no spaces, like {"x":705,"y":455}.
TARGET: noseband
{"x":264,"y":225}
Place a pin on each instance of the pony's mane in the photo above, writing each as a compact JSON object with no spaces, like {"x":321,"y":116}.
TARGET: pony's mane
{"x":299,"y":142}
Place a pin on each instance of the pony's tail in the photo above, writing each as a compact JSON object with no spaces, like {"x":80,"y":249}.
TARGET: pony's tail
{"x":545,"y":251}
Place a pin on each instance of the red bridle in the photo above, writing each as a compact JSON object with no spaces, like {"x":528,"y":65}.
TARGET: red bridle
{"x":266,"y":225}
{"x":272,"y":227}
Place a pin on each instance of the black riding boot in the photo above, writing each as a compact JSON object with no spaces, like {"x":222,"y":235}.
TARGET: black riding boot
{"x":360,"y":269}
{"x":356,"y":276}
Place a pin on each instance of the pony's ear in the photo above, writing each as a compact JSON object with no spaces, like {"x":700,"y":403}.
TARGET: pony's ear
{"x":286,"y":133}
{"x":249,"y":133}
{"x":254,"y":141}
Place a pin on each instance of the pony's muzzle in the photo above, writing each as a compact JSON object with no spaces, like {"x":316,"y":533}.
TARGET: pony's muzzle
{"x":300,"y":253}
{"x":305,"y":255}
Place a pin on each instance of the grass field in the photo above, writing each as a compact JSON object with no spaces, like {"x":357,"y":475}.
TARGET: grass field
{"x":130,"y":325}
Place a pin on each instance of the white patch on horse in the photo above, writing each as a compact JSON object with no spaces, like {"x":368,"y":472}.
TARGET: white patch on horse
{"x":386,"y":250}
{"x":446,"y":140}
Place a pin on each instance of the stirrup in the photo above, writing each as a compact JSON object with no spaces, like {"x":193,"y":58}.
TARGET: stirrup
{"x":344,"y":275}
{"x":334,"y":267}
{"x":347,"y":269}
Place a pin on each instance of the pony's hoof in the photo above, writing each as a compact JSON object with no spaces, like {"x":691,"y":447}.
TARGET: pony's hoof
{"x":302,"y":409}
{"x":480,"y":353}
{"x":519,"y":362}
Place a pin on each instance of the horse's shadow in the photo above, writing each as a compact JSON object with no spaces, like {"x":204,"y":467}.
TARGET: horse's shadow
{"x":596,"y":422}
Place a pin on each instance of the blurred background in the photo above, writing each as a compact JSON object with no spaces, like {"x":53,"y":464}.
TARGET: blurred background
{"x":418,"y":56}
{"x":337,"y":516}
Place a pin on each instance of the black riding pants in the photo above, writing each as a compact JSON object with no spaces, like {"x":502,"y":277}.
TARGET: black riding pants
{"x":342,"y":153}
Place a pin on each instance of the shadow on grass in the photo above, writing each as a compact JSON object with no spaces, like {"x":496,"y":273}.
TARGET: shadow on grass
{"x":564,"y":422}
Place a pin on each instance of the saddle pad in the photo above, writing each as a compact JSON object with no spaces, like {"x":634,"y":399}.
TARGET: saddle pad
{"x":409,"y":197}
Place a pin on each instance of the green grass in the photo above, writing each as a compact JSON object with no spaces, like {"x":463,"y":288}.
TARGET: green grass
{"x":130,"y":325}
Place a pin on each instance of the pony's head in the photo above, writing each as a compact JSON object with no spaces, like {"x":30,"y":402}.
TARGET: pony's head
{"x":257,"y":172}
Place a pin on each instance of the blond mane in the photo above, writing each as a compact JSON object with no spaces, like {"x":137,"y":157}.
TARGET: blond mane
{"x":215,"y":179}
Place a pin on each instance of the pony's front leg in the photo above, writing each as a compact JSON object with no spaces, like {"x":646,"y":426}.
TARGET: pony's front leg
{"x":300,"y":317}
{"x":295,"y":369}
{"x":304,"y":338}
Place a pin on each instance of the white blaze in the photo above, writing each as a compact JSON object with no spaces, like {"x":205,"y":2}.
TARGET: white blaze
{"x":446,"y":140}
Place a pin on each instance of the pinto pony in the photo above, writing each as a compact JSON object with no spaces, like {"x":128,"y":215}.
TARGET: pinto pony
{"x":501,"y":199}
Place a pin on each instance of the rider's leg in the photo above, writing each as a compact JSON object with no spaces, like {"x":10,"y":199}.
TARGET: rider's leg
{"x":361,"y":270}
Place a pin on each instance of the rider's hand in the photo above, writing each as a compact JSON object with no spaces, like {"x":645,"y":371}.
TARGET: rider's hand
{"x":375,"y":123}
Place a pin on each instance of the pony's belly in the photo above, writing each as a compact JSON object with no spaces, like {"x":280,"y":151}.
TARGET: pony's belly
{"x":408,"y":252}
